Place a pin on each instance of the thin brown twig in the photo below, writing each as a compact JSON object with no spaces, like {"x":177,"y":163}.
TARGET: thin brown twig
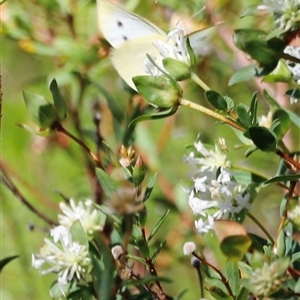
{"x":12,"y":187}
{"x":223,"y":278}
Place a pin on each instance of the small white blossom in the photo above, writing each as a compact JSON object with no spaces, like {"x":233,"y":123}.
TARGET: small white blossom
{"x":189,"y":248}
{"x":117,"y":251}
{"x":204,"y":226}
{"x":85,"y":212}
{"x":67,"y":258}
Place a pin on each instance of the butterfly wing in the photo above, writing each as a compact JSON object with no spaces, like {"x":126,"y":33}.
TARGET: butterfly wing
{"x":198,"y":39}
{"x":129,"y":59}
{"x":119,"y":25}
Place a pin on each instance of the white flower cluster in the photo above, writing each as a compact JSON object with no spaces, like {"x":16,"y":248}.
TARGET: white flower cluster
{"x":214,"y":195}
{"x":65,"y":257}
{"x":286,"y":12}
{"x":86,"y":213}
{"x":62,"y":255}
{"x":294,"y":67}
{"x":174,"y":47}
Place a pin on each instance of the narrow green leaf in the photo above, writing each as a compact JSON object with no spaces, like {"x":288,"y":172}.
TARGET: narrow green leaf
{"x":191,"y":53}
{"x":243,"y":295}
{"x":103,"y":270}
{"x":161,"y":114}
{"x":6,"y":260}
{"x":157,"y":251}
{"x":150,"y":187}
{"x":58,"y":100}
{"x":253,"y":109}
{"x":142,"y":245}
{"x":263,"y":138}
{"x":108,"y":185}
{"x":283,"y":178}
{"x":271,"y":101}
{"x":157,"y":226}
{"x":232,"y":274}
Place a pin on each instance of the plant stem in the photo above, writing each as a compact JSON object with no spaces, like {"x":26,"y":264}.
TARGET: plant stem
{"x":261,"y":227}
{"x":209,"y":112}
{"x":199,"y":82}
{"x":60,"y":128}
{"x":223,"y":278}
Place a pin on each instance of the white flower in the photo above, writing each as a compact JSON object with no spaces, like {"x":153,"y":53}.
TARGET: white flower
{"x":173,"y":47}
{"x":189,"y":248}
{"x":86,"y":213}
{"x":67,"y":258}
{"x":204,"y":226}
{"x":117,"y":251}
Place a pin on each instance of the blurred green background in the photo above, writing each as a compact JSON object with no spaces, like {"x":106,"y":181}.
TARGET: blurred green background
{"x":47,"y":39}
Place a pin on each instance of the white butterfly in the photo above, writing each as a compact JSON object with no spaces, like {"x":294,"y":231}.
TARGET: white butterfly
{"x":132,"y":38}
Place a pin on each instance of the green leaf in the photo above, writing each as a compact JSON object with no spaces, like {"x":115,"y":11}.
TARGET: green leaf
{"x":263,"y":138}
{"x":271,"y":101}
{"x":157,"y":251}
{"x":161,"y":114}
{"x":58,"y":290}
{"x":218,"y":294}
{"x":78,"y":234}
{"x":243,"y":74}
{"x":142,"y":245}
{"x":234,"y":241}
{"x":283,"y":123}
{"x":253,"y":109}
{"x":150,"y":187}
{"x":294,"y":93}
{"x":235,"y":247}
{"x":103,"y":270}
{"x":191,"y":53}
{"x":108,"y":185}
{"x":255,"y":43}
{"x":243,"y":116}
{"x":216,"y":100}
{"x":160,"y":91}
{"x":243,"y":295}
{"x":178,"y":69}
{"x":280,"y":74}
{"x":40,"y":110}
{"x":58,"y":100}
{"x":251,"y":10}
{"x":232,"y":274}
{"x":157,"y":226}
{"x":283,"y":178}
{"x":6,"y":260}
